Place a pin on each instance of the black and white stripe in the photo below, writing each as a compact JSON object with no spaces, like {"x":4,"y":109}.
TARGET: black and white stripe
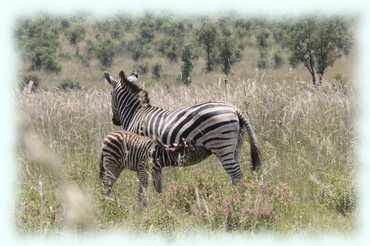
{"x":213,"y":127}
{"x":127,"y":150}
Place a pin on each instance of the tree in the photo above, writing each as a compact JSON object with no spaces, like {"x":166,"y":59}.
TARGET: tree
{"x":229,"y":53}
{"x":75,"y":34}
{"x":317,"y":43}
{"x":139,"y":48}
{"x":207,"y":36}
{"x":187,"y":65}
{"x":156,"y":71}
{"x":104,"y":49}
{"x":262,"y":39}
{"x":38,"y":39}
{"x":168,"y":46}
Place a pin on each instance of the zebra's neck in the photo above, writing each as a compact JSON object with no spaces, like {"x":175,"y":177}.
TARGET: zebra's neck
{"x":146,"y":120}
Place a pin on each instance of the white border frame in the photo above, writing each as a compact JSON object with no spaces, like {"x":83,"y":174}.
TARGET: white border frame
{"x":16,"y":8}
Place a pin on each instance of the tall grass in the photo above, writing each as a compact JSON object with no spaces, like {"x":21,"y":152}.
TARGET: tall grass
{"x":307,"y":181}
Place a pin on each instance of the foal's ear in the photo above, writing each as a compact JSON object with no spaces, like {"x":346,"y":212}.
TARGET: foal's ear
{"x":122,"y":76}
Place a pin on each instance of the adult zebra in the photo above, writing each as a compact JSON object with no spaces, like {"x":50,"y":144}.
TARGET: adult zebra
{"x":212,"y":127}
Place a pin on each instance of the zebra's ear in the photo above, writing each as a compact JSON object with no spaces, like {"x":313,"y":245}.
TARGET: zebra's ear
{"x":122,"y":76}
{"x":108,"y":78}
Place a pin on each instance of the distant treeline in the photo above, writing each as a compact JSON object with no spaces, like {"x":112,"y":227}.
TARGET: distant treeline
{"x":314,"y":41}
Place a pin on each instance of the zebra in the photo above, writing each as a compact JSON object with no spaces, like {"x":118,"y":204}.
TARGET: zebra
{"x":122,"y":149}
{"x":211,"y":127}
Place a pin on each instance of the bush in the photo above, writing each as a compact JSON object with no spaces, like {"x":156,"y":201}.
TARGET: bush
{"x":104,"y":49}
{"x":69,"y":85}
{"x":262,"y":39}
{"x":262,"y":61}
{"x":229,"y":53}
{"x":277,"y":60}
{"x":38,"y":39}
{"x":187,"y":64}
{"x":146,"y":33}
{"x":207,"y":37}
{"x":65,"y":23}
{"x":168,"y":47}
{"x":139,"y":48}
{"x":43,"y":57}
{"x":143,"y":68}
{"x":75,"y":34}
{"x":156,"y":70}
{"x":338,"y":194}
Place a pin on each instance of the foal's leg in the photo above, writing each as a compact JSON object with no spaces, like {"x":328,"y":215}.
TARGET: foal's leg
{"x":157,"y":179}
{"x":143,"y":185}
{"x":110,"y":173}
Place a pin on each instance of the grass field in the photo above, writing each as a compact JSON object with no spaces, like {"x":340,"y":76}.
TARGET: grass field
{"x":307,"y":183}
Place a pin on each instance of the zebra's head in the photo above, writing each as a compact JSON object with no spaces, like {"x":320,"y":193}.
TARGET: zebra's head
{"x":125,"y":95}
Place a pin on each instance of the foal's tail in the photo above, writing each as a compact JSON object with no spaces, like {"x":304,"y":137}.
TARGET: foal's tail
{"x":255,"y":150}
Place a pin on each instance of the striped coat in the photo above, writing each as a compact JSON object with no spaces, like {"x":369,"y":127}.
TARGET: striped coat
{"x":126,"y":150}
{"x":213,"y":127}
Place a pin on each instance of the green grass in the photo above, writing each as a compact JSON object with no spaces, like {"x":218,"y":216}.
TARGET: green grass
{"x":307,"y":182}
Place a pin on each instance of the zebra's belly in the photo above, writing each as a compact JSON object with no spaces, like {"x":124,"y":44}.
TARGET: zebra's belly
{"x":191,"y":155}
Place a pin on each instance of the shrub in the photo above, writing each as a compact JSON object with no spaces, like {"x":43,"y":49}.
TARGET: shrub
{"x":156,"y":70}
{"x":262,"y":61}
{"x":187,"y":64}
{"x":44,"y":57}
{"x":65,"y":23}
{"x":143,"y":68}
{"x":338,"y":194}
{"x":139,"y":48}
{"x":277,"y":60}
{"x":69,"y":85}
{"x":75,"y":34}
{"x":168,"y":47}
{"x":229,"y":53}
{"x":104,"y":49}
{"x":262,"y":39}
{"x":207,"y":36}
{"x":38,"y":39}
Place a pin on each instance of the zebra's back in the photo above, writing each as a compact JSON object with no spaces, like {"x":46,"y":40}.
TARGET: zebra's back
{"x":198,"y":124}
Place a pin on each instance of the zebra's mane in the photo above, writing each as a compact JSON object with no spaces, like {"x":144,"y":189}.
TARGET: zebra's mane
{"x":141,"y":94}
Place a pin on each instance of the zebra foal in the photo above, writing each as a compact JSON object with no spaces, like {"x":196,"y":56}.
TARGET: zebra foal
{"x":122,"y":149}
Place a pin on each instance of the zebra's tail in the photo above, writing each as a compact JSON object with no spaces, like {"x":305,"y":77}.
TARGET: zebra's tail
{"x":101,"y":171}
{"x":255,"y":150}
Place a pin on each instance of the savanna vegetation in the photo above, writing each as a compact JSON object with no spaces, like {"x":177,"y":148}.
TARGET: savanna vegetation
{"x":292,"y":76}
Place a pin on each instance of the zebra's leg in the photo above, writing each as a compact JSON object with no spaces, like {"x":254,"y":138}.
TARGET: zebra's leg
{"x":143,"y":185}
{"x":110,"y":174}
{"x":157,"y":179}
{"x":230,"y":162}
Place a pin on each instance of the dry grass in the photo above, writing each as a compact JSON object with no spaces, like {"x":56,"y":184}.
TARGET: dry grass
{"x":307,"y":181}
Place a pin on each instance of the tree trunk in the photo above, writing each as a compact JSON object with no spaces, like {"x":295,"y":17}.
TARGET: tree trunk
{"x":313,"y":75}
{"x":320,"y":78}
{"x":209,"y":63}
